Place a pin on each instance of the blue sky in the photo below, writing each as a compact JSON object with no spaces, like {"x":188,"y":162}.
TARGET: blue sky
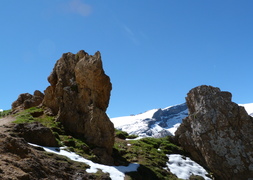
{"x":153,"y":51}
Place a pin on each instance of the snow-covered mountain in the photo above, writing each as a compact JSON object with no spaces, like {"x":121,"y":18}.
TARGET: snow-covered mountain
{"x":158,"y":122}
{"x":153,"y":123}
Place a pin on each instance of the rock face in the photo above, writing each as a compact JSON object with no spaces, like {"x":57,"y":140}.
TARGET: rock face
{"x":79,"y":94}
{"x":36,"y":133}
{"x":27,"y":100}
{"x":218,"y":133}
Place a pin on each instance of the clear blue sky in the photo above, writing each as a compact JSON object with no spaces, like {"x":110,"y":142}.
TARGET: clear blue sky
{"x":153,"y":51}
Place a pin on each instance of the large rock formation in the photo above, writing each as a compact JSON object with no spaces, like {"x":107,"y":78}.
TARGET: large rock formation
{"x":218,"y":133}
{"x":79,"y":94}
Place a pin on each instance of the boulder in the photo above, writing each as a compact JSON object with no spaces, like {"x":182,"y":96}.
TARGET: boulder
{"x":36,"y":133}
{"x":218,"y":133}
{"x":78,"y":95}
{"x":27,"y":100}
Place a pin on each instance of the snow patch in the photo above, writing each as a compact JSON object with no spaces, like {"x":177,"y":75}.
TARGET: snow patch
{"x":184,"y":167}
{"x":116,"y":172}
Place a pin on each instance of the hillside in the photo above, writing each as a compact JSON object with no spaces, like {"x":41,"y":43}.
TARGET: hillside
{"x":148,"y":158}
{"x":125,"y":151}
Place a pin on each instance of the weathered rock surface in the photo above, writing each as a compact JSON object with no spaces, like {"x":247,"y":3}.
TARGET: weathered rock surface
{"x":218,"y":133}
{"x":36,"y":133}
{"x":20,"y":161}
{"x":27,"y":100}
{"x":79,"y":94}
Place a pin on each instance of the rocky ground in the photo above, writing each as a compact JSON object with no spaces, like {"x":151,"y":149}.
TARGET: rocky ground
{"x":21,"y":161}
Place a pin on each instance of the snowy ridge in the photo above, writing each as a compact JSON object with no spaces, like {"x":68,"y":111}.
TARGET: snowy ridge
{"x":135,"y":124}
{"x":153,"y":123}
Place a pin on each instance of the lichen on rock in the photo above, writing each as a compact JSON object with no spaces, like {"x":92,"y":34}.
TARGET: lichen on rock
{"x":218,"y":133}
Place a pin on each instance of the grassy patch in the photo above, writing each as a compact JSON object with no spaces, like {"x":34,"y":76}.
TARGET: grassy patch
{"x":78,"y":146}
{"x":150,"y":153}
{"x":5,"y":113}
{"x":124,"y":135}
{"x":36,"y":114}
{"x":74,"y":144}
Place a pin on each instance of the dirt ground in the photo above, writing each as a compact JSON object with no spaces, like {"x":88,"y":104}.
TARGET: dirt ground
{"x":6,"y":120}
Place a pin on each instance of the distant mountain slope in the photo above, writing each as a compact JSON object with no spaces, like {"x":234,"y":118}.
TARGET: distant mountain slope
{"x":158,"y":122}
{"x":153,"y":123}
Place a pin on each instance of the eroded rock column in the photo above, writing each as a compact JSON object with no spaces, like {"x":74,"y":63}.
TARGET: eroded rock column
{"x":79,"y":94}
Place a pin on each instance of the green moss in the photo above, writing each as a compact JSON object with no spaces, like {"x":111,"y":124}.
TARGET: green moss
{"x":24,"y":118}
{"x":123,"y":135}
{"x":26,"y":115}
{"x":35,"y":114}
{"x":132,"y":136}
{"x":150,"y":153}
{"x":78,"y":146}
